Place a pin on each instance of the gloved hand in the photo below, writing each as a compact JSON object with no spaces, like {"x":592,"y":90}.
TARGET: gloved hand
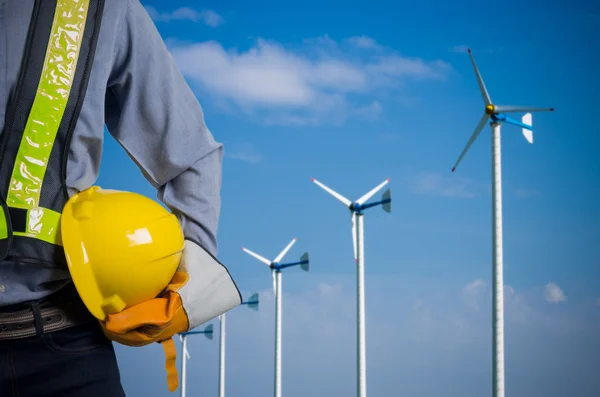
{"x":200,"y":290}
{"x":154,"y":320}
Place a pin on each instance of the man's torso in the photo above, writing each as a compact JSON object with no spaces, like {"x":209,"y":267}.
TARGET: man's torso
{"x":22,"y":281}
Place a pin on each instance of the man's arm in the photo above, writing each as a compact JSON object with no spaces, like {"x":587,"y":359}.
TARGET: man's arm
{"x":153,"y":114}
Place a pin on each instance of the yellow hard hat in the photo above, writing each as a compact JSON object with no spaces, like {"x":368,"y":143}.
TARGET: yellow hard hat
{"x":122,"y":248}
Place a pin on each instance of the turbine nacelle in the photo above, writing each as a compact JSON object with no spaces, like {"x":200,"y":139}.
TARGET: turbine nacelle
{"x":357,"y":207}
{"x":276,"y":266}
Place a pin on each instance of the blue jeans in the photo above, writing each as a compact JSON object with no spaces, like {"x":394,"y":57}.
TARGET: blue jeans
{"x":74,"y":362}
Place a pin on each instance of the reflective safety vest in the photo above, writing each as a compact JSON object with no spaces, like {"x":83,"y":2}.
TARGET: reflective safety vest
{"x":41,"y":118}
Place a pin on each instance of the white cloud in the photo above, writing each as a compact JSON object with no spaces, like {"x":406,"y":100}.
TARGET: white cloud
{"x":400,"y":67}
{"x":553,"y":293}
{"x":208,"y":17}
{"x":509,"y":291}
{"x":243,"y":152}
{"x":439,"y":184}
{"x":474,"y":286}
{"x":330,"y":291}
{"x":320,"y":81}
{"x":472,"y":294}
{"x":363,"y":42}
{"x":422,"y":320}
{"x":477,"y":295}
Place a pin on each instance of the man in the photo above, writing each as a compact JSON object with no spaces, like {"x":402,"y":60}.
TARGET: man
{"x":67,"y":69}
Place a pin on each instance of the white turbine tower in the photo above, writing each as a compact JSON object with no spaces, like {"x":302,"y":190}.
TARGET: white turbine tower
{"x":208,"y":331}
{"x":495,"y":113}
{"x":276,"y":268}
{"x":356,"y":208}
{"x":252,"y":304}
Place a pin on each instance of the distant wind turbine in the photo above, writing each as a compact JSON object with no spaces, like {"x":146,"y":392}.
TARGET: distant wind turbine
{"x":276,"y":268}
{"x":208,"y":331}
{"x":495,"y":113}
{"x":356,"y":208}
{"x":252,"y":304}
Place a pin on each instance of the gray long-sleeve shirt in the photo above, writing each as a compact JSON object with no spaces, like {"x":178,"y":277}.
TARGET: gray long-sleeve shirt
{"x":136,"y":90}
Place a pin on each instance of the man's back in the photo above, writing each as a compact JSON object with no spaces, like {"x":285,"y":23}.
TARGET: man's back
{"x":135,"y":88}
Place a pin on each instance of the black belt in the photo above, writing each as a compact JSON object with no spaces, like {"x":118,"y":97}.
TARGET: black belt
{"x":53,"y":314}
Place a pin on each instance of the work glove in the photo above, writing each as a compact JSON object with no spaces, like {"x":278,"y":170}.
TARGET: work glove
{"x":200,"y":290}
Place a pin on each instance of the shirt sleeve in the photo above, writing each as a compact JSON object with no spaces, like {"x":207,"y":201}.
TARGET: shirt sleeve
{"x":151,"y":111}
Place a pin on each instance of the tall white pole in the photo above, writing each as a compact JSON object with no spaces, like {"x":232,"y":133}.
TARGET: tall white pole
{"x":183,"y":364}
{"x":498,"y":282}
{"x":222,"y":355}
{"x":361,"y":344}
{"x":278,"y":334}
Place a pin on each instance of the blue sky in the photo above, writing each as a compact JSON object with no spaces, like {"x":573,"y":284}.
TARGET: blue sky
{"x":352,"y":95}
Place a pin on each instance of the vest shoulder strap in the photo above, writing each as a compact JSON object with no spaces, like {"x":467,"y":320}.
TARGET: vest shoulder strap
{"x":41,"y":118}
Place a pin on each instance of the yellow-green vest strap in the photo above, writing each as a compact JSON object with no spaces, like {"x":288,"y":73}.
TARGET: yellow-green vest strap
{"x":42,"y":115}
{"x":53,"y":92}
{"x":37,"y":222}
{"x":3,"y":225}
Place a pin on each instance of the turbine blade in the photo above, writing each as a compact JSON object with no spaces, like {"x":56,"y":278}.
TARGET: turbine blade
{"x":285,"y":251}
{"x":480,"y":126}
{"x":187,"y":353}
{"x":520,"y":109}
{"x":274,"y":282}
{"x":484,"y":93}
{"x":260,"y":258}
{"x":335,"y":194}
{"x":354,"y":235}
{"x":370,"y":194}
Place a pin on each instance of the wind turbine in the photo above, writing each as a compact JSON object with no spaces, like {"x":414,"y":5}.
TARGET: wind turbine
{"x":208,"y":332}
{"x":356,"y":208}
{"x":495,"y":113}
{"x":276,"y":268}
{"x":252,"y":304}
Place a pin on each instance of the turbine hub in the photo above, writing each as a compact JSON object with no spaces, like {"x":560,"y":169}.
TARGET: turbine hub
{"x":489,"y":109}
